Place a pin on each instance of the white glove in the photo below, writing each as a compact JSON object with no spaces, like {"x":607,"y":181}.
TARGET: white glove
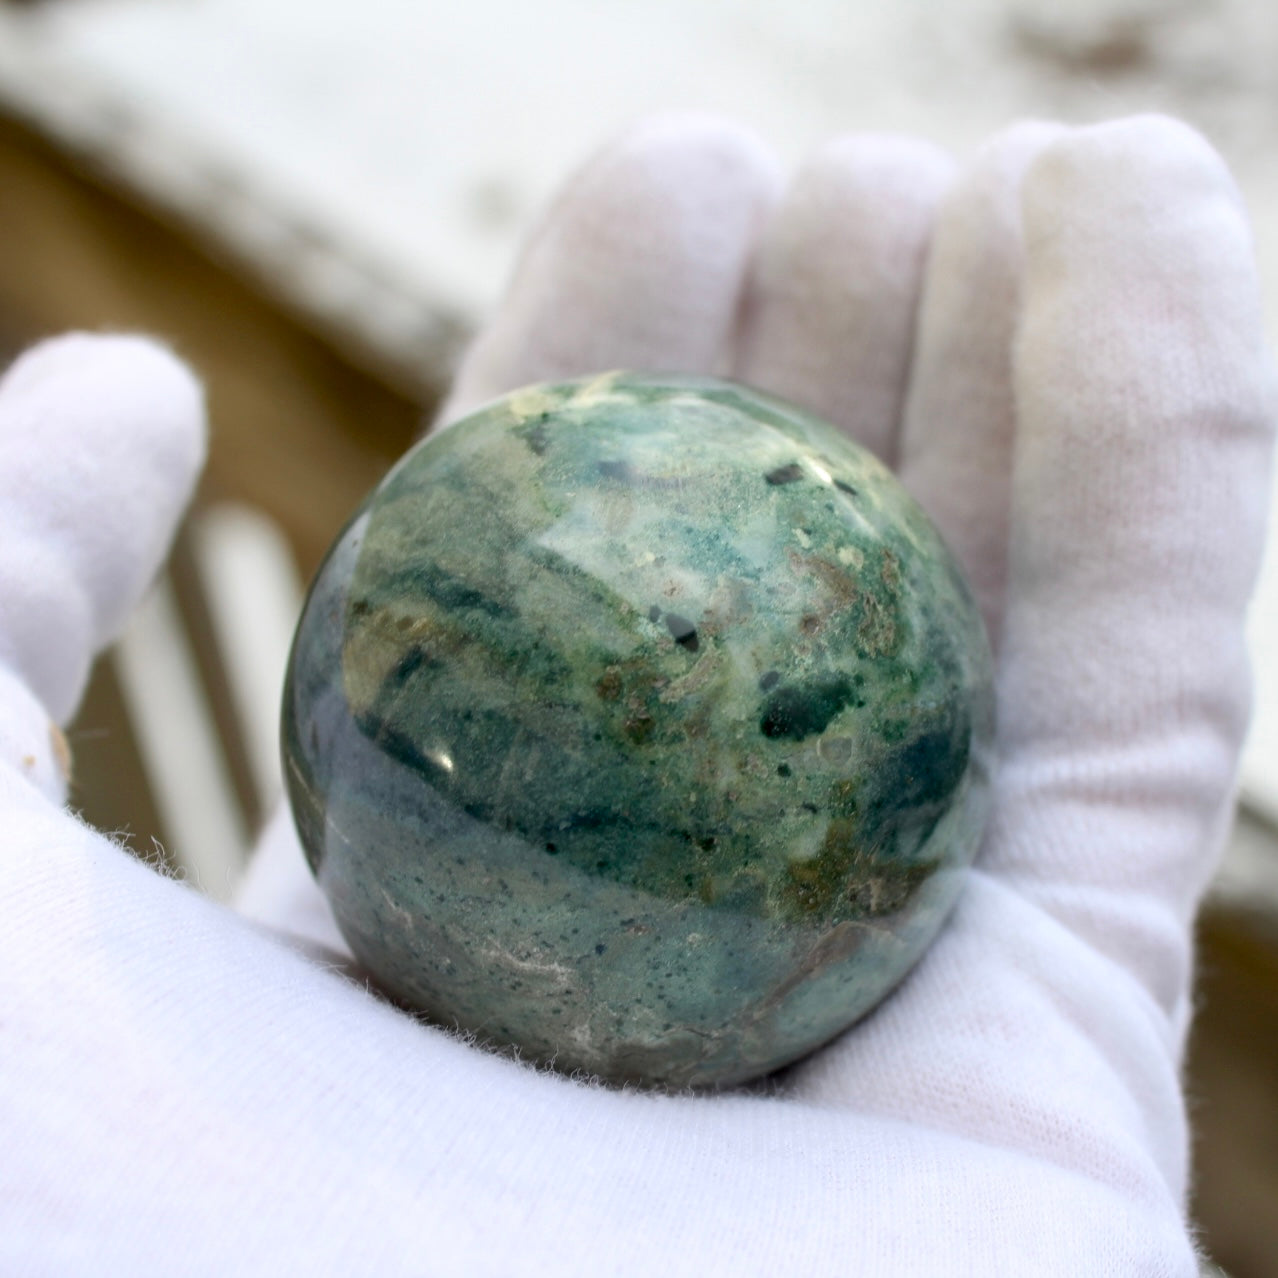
{"x":93,"y":476}
{"x":1061,"y":350}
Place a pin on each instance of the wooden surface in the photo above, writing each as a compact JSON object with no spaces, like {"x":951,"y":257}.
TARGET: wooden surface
{"x":297,"y":429}
{"x":1233,"y":1090}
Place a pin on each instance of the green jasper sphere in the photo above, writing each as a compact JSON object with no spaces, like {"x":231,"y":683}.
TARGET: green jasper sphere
{"x":641,"y":724}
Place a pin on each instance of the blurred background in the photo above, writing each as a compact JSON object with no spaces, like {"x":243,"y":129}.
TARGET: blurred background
{"x":315,"y":202}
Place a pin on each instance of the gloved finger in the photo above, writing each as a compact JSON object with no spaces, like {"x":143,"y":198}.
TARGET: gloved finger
{"x":101,"y":440}
{"x":956,"y":439}
{"x":1144,"y":392}
{"x":829,"y":312}
{"x":639,"y":264}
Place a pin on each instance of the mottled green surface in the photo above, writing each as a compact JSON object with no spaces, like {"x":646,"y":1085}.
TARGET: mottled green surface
{"x":641,"y":724}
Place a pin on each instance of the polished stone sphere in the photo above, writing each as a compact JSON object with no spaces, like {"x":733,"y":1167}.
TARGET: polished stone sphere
{"x":640,"y":724}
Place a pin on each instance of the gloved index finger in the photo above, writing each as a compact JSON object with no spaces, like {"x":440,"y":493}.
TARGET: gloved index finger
{"x":639,"y":264}
{"x":829,"y":312}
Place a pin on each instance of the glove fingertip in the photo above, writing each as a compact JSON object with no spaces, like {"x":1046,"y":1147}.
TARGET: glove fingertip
{"x":116,"y":375}
{"x":102,"y":437}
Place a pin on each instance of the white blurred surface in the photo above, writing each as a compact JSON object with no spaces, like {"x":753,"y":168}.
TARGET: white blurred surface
{"x":254,"y":598}
{"x":420,"y":138}
{"x":178,"y":743}
{"x":250,"y":587}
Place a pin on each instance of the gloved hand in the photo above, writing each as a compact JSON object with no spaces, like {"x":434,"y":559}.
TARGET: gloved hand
{"x":1060,"y":349}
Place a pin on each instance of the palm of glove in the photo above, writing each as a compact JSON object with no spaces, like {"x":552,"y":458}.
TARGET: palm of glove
{"x":1059,"y":349}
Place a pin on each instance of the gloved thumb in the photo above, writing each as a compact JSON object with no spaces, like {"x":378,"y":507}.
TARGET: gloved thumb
{"x":101,"y":441}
